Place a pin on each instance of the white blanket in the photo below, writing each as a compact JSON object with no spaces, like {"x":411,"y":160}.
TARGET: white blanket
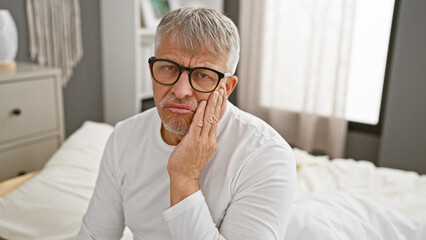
{"x":339,"y":216}
{"x":399,"y":190}
{"x":347,"y":199}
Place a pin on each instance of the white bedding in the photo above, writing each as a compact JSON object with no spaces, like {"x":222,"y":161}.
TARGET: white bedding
{"x":399,"y":190}
{"x":340,"y":216}
{"x":51,"y":205}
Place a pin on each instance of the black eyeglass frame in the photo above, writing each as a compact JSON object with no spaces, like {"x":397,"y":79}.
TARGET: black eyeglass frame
{"x":221,"y":75}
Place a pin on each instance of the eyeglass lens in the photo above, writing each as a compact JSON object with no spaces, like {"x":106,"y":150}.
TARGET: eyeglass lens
{"x":201,"y":79}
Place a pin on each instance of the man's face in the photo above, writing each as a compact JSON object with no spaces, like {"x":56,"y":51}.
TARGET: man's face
{"x":176,"y":104}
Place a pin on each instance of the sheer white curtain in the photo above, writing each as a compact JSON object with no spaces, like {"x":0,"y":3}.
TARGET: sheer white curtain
{"x":294,"y":68}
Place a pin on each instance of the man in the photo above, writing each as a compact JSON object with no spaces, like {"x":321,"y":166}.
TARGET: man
{"x":195,"y":167}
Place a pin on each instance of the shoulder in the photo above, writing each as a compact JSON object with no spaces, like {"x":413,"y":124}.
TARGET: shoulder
{"x":244,"y":125}
{"x":260,"y":157}
{"x":252,"y":143}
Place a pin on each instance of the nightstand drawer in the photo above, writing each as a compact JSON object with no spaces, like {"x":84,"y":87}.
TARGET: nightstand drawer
{"x":27,"y":108}
{"x":26,"y":158}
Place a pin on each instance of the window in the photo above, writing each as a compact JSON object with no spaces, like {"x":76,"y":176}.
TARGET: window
{"x":372,"y":27}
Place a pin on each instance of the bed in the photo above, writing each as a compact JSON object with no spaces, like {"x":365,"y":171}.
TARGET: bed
{"x":336,"y":199}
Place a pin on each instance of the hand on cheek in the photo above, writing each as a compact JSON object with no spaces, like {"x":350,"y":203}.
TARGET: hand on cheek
{"x":195,"y":149}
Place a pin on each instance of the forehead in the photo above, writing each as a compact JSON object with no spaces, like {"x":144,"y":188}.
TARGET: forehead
{"x":201,"y":55}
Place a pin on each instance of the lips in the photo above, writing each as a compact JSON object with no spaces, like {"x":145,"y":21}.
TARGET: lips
{"x":177,"y":108}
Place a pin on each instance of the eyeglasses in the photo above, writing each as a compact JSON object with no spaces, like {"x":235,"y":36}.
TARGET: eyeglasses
{"x":202,"y":79}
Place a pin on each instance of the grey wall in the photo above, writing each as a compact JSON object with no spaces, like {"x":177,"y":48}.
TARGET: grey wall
{"x":403,"y":143}
{"x":362,"y":146}
{"x":83,"y":94}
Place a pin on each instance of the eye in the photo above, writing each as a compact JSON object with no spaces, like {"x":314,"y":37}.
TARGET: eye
{"x":169,"y":67}
{"x":204,"y":76}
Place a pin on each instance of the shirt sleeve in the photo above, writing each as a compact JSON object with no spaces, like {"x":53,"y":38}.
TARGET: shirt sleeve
{"x":263,"y":194}
{"x":104,"y":218}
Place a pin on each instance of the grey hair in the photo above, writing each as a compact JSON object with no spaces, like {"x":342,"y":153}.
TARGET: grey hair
{"x":193,"y":29}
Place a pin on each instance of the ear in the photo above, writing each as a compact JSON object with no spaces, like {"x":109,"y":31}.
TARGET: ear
{"x":230,"y":84}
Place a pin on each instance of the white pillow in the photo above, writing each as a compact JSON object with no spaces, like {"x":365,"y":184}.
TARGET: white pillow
{"x":51,"y":205}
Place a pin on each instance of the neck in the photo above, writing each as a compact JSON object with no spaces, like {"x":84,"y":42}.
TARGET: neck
{"x":169,"y":137}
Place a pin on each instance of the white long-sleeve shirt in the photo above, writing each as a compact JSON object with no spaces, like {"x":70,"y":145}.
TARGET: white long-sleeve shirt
{"x":247,"y":186}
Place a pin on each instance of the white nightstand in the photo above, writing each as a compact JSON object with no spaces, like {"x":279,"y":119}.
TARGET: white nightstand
{"x":31,"y":118}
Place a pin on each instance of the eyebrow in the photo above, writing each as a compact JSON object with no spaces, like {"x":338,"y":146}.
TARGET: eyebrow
{"x":208,"y":65}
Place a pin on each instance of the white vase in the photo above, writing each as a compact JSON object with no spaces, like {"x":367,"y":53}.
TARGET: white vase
{"x":8,"y":38}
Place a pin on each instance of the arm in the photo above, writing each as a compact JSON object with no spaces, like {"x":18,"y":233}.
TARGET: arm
{"x":264,"y":191}
{"x":260,"y":207}
{"x":104,"y":218}
{"x":263,"y":196}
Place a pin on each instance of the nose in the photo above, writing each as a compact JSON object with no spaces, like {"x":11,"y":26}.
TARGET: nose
{"x":182,"y":88}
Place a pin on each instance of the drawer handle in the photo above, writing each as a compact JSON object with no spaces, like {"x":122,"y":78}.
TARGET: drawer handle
{"x":16,"y":111}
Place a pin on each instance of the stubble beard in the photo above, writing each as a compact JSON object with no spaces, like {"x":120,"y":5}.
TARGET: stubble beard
{"x":176,"y":127}
{"x":177,"y":123}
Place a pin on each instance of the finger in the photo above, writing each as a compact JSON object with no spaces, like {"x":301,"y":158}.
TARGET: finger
{"x":197,"y":120}
{"x":209,"y":114}
{"x":216,"y":116}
